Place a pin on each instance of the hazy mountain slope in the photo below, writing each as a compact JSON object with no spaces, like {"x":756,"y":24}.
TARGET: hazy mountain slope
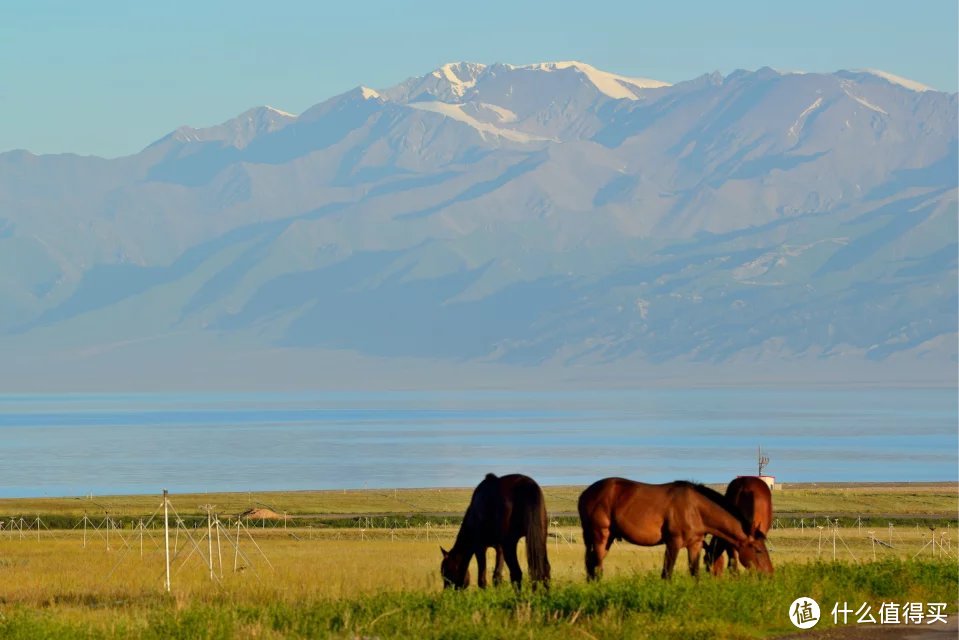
{"x":539,"y":213}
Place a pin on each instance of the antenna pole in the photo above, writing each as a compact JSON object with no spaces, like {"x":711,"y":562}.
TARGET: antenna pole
{"x":763,"y":461}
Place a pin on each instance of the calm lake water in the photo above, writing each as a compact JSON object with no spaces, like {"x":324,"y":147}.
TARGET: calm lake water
{"x":112,"y":444}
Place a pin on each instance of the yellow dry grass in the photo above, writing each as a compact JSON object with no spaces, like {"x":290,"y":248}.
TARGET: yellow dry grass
{"x":939,"y":499}
{"x":296,"y":564}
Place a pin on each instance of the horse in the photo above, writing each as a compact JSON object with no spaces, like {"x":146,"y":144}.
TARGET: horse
{"x":754,"y":500}
{"x":678,"y":514}
{"x":501,"y":511}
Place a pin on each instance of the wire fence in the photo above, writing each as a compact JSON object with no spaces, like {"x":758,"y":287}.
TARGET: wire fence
{"x":821,"y":538}
{"x":206,"y":539}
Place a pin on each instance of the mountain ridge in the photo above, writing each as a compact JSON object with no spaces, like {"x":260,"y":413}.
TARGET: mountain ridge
{"x":513,"y":214}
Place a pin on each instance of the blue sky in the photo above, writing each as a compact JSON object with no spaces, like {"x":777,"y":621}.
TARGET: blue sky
{"x":109,"y":77}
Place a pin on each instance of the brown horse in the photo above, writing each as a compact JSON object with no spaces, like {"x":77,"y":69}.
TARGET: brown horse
{"x":754,"y":500}
{"x":678,"y":514}
{"x":502,"y":511}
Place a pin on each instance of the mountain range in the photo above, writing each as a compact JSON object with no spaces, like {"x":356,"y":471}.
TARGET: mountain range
{"x":549,"y":214}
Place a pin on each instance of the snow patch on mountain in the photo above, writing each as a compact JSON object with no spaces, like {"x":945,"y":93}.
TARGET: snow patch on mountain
{"x":465,"y":81}
{"x":777,"y":258}
{"x":460,"y":75}
{"x":899,"y":80}
{"x":611,"y":84}
{"x":280,"y":112}
{"x":801,"y":120}
{"x":456,"y":112}
{"x":501,"y":113}
{"x":866,"y":103}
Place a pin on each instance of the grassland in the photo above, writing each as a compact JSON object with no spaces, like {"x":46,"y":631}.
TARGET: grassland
{"x":374,"y":576}
{"x":850,"y":500}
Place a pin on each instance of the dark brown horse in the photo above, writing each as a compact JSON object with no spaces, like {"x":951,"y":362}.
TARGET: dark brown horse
{"x":678,"y":514}
{"x":502,"y":511}
{"x":752,"y":497}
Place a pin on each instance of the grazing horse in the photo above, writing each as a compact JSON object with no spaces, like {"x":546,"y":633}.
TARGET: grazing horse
{"x":678,"y":514}
{"x":502,"y":511}
{"x":754,"y":500}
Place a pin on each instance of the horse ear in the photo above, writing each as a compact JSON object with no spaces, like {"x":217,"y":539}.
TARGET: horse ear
{"x":759,"y":535}
{"x":444,"y":552}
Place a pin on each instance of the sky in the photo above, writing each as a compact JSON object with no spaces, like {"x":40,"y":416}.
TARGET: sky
{"x":108,"y":77}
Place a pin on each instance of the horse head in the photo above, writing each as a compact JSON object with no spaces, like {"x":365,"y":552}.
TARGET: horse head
{"x":455,"y":570}
{"x":753,"y":553}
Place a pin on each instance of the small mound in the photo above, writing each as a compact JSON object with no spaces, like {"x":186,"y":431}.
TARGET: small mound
{"x":262,"y":514}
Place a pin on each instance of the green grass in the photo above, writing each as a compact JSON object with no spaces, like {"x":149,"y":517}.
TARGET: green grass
{"x":637,"y":606}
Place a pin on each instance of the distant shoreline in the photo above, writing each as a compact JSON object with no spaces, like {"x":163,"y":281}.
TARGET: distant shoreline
{"x":931,"y":485}
{"x":888,"y":484}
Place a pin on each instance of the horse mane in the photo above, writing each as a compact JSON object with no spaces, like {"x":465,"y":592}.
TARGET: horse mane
{"x":721,"y":500}
{"x":477,"y":509}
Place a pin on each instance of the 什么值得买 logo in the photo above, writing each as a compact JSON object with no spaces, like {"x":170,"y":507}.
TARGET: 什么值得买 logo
{"x":804,"y":612}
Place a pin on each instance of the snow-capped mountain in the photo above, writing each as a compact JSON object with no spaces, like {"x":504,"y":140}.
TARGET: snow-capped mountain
{"x":544,"y":212}
{"x":465,"y":81}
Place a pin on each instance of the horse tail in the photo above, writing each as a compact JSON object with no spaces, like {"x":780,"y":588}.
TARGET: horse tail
{"x":583,"y":518}
{"x":747,"y":504}
{"x":537,"y":523}
{"x":768,"y":516}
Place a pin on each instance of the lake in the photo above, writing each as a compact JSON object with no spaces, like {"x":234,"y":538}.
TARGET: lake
{"x":82,"y":444}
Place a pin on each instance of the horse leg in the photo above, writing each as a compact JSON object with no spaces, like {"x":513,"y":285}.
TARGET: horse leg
{"x":669,"y":560}
{"x":509,"y":553}
{"x":498,"y":569}
{"x":481,"y":567}
{"x":719,"y":558}
{"x":598,"y":543}
{"x":694,"y":549}
{"x":733,"y":559}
